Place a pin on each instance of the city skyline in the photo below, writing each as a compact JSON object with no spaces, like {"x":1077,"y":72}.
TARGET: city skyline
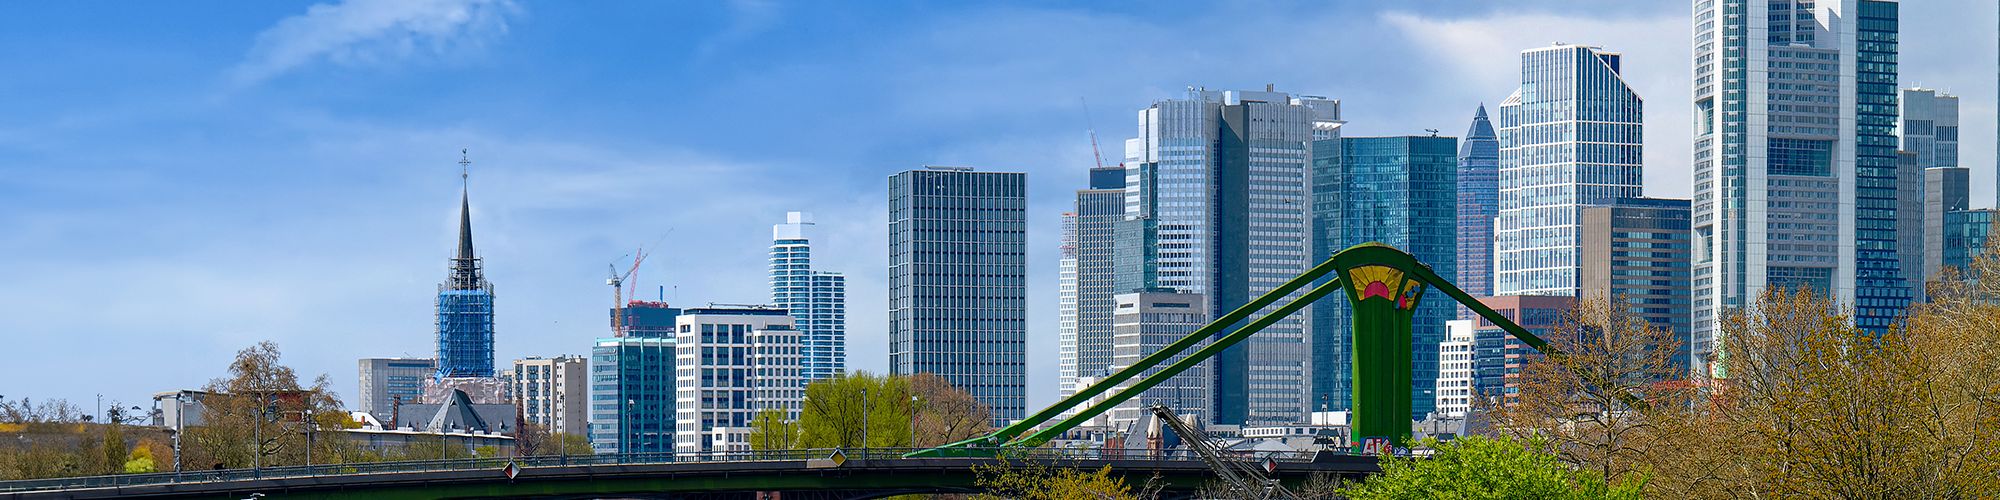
{"x":204,"y":289}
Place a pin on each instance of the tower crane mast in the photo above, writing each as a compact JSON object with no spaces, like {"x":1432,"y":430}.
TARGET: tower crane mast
{"x":618,"y":293}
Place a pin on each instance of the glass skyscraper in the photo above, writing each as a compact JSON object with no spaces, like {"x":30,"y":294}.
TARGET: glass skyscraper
{"x":1569,"y":138}
{"x":632,"y":382}
{"x":1216,"y":196}
{"x":1786,"y":195}
{"x":1399,"y":191}
{"x":632,"y":395}
{"x":1478,"y":206}
{"x":1966,"y":234}
{"x":816,"y":299}
{"x":1636,"y":251}
{"x":1927,"y":129}
{"x":1087,"y":285}
{"x":465,"y":309}
{"x":958,"y":282}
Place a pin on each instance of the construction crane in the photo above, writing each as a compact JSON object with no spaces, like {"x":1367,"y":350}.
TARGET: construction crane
{"x":1093,"y":132}
{"x":617,"y":282}
{"x":1245,"y":480}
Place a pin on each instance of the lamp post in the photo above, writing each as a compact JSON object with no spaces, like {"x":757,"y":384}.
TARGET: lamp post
{"x":864,"y":422}
{"x":562,"y":438}
{"x":308,"y":415}
{"x":180,"y":416}
{"x":913,"y":421}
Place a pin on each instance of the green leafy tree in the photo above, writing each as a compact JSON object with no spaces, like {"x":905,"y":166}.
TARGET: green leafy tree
{"x":140,"y":462}
{"x":770,"y":430}
{"x":833,"y":412}
{"x":1477,"y":467}
{"x":1026,"y":481}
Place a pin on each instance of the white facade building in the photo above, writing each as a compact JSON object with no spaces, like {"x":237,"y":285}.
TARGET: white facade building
{"x":1455,"y":369}
{"x":552,"y":392}
{"x":1144,"y":323}
{"x":731,"y":363}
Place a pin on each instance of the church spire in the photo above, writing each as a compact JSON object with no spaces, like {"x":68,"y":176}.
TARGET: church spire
{"x":465,"y":272}
{"x":464,"y":206}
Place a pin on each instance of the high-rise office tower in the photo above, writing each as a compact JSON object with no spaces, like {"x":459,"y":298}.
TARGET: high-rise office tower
{"x":1927,"y":130}
{"x":1569,"y":138}
{"x":1636,"y":250}
{"x":465,"y":306}
{"x":1946,"y":190}
{"x":632,"y":381}
{"x":1965,"y":236}
{"x":1144,"y":323}
{"x":1086,"y":278}
{"x":645,"y":318}
{"x":1216,"y":196}
{"x":816,"y":299}
{"x":1478,"y":207}
{"x":1928,"y":126}
{"x":632,"y":395}
{"x":552,"y":392}
{"x":1787,"y":194}
{"x":1909,"y":225}
{"x":1397,"y":191}
{"x":386,"y":381}
{"x":735,"y":362}
{"x":957,"y":282}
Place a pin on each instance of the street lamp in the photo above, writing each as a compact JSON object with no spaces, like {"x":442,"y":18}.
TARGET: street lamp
{"x":864,"y":421}
{"x":913,"y":421}
{"x":562,"y":438}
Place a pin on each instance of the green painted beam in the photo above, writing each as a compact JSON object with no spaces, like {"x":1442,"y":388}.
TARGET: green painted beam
{"x":1381,"y":330}
{"x":1011,"y":432}
{"x":1051,"y":432}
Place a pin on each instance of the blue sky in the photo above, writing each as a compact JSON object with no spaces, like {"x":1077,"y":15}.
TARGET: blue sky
{"x":179,"y":181}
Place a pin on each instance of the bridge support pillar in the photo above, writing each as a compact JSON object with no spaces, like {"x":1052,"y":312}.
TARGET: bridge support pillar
{"x":1384,"y":300}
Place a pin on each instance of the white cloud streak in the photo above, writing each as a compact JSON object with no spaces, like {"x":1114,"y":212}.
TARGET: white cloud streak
{"x":373,"y":32}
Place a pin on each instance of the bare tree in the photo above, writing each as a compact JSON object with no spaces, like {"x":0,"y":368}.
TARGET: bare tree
{"x":1578,"y":401}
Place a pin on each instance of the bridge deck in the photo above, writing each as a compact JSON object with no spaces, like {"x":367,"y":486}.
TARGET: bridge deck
{"x":867,"y":473}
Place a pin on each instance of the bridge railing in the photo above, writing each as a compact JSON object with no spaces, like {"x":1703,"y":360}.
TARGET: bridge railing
{"x":495,"y":464}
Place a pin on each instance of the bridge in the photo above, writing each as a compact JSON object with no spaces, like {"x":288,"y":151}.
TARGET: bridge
{"x":790,"y":474}
{"x":1382,"y":284}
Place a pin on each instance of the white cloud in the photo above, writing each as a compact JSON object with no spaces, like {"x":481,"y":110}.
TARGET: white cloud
{"x":365,"y":32}
{"x":1486,"y":53}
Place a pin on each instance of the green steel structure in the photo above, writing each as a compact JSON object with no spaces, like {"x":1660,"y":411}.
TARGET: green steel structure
{"x":1382,"y":284}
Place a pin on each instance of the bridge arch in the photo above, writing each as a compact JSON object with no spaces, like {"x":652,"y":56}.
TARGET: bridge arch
{"x":1383,"y":284}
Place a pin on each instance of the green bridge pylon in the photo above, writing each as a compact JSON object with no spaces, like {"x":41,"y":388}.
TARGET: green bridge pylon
{"x":1382,"y":284}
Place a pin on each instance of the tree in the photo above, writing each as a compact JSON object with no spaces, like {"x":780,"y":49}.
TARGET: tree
{"x":1808,"y":405}
{"x":832,"y":418}
{"x":1577,"y":401}
{"x":946,"y":414}
{"x":140,"y":462}
{"x":833,"y":412}
{"x":536,"y":440}
{"x":1481,"y":467}
{"x":259,"y":415}
{"x":1015,"y":481}
{"x":770,"y":430}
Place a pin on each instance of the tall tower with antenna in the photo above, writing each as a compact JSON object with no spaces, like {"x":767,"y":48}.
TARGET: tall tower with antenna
{"x":465,"y":300}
